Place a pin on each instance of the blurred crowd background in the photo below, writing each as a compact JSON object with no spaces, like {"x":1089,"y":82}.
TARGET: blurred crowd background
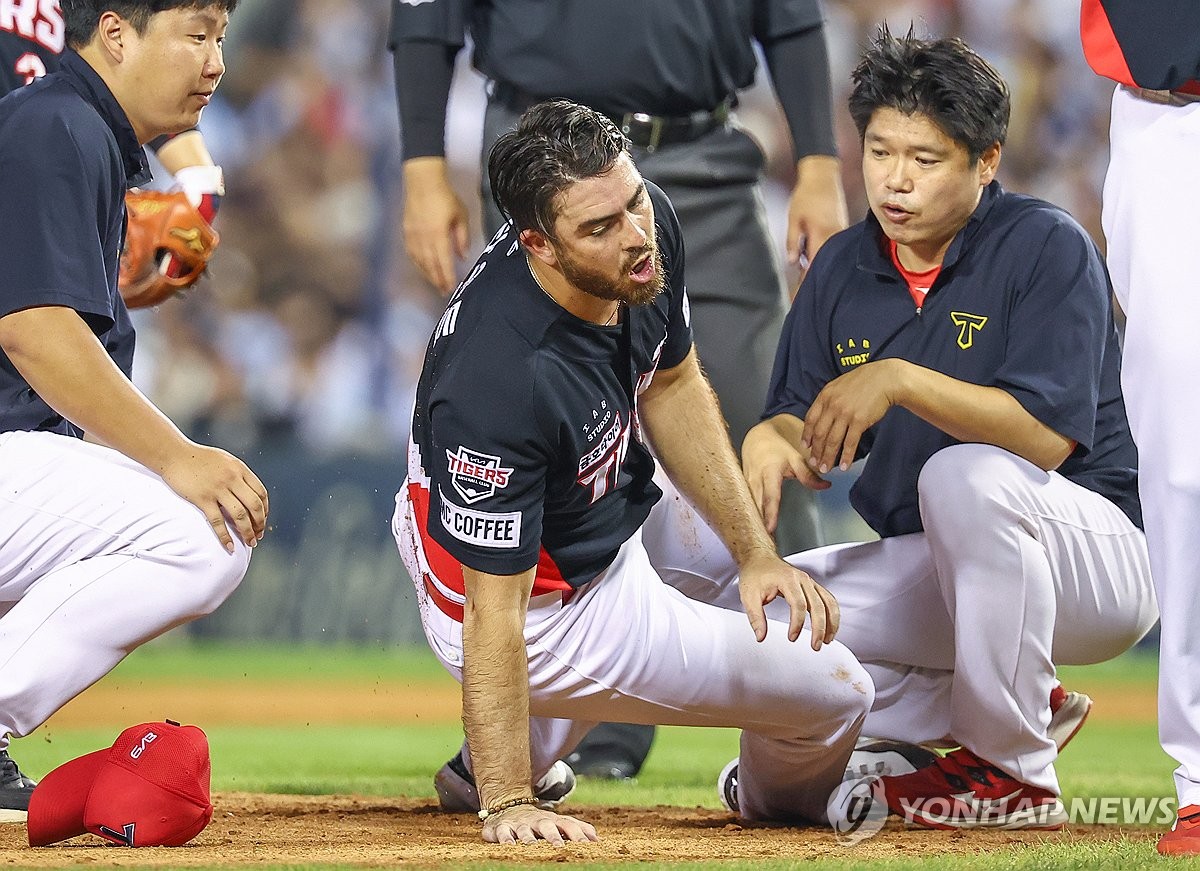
{"x":300,"y":352}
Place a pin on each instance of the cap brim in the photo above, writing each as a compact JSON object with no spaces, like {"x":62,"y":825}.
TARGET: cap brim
{"x":57,"y":803}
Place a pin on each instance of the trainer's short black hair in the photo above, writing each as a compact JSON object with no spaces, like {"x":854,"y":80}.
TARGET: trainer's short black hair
{"x":82,"y":17}
{"x":556,"y":144}
{"x":942,"y":79}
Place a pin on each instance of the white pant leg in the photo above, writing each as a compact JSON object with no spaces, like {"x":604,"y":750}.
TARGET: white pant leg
{"x":884,"y":588}
{"x":629,"y":648}
{"x":1034,"y":570}
{"x":1150,"y":222}
{"x":97,"y":556}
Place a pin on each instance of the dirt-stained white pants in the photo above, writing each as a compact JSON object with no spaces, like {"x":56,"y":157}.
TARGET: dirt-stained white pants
{"x":961,"y":626}
{"x":97,"y":556}
{"x":629,"y":648}
{"x":1151,"y":224}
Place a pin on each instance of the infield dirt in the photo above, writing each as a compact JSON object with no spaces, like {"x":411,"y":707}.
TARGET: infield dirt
{"x":249,"y":829}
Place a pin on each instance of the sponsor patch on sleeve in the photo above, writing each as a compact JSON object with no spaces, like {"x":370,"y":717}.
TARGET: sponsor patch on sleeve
{"x":475,"y":475}
{"x":482,"y":528}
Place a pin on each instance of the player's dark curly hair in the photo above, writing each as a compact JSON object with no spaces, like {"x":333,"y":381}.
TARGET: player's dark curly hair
{"x":82,"y":17}
{"x":556,"y":144}
{"x":942,"y":79}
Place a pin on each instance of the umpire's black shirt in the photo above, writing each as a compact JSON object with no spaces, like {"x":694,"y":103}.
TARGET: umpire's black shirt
{"x":661,"y":58}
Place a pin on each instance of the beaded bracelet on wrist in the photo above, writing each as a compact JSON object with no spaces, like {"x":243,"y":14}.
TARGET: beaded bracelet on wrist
{"x":505,"y":805}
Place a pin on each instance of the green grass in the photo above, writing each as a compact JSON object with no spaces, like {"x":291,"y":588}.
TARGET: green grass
{"x":1107,"y":758}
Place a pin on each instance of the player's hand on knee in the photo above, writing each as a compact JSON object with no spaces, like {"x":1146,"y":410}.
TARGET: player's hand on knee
{"x":528,"y":824}
{"x":763,"y":580}
{"x":822,"y":607}
{"x":225,"y":489}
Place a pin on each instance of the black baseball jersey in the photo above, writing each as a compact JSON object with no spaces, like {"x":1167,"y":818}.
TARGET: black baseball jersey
{"x":1022,"y":303}
{"x":1149,"y":43}
{"x":32,"y":35}
{"x":67,"y":155}
{"x":526,"y":445}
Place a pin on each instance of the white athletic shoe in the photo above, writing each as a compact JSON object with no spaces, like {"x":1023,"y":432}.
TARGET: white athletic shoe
{"x":871,"y":757}
{"x":1068,"y":711}
{"x":457,"y":795}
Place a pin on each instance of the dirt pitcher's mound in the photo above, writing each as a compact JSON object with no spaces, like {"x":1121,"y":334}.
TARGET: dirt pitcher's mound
{"x":284,"y":830}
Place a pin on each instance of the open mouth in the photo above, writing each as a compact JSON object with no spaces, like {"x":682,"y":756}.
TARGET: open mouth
{"x":643,"y":269}
{"x":896,"y":213}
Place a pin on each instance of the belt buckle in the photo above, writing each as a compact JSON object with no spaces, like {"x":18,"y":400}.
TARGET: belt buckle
{"x":656,"y":128}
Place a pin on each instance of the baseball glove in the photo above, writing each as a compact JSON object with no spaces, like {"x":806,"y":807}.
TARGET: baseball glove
{"x":167,"y":246}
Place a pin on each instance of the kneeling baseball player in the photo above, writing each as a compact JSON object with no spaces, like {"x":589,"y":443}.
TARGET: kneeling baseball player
{"x":561,"y":357}
{"x":109,"y":542}
{"x":961,"y":338}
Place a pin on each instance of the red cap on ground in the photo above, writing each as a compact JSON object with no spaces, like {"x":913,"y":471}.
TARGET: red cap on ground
{"x":150,"y":789}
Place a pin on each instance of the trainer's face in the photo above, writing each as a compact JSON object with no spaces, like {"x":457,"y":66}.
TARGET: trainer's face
{"x":920,"y":183}
{"x":173,"y":68}
{"x":605,"y":242}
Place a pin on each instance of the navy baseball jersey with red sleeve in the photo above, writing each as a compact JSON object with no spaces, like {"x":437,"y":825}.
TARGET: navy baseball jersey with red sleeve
{"x":526,"y":448}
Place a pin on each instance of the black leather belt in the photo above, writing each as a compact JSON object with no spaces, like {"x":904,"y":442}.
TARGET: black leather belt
{"x":651,"y":131}
{"x":646,"y":131}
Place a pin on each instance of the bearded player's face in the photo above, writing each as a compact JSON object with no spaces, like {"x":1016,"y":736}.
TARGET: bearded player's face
{"x":605,"y":242}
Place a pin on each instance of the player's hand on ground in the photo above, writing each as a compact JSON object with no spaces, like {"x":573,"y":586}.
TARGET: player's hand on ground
{"x":765,"y":578}
{"x":435,"y":222}
{"x":846,"y":408}
{"x":767,"y":458}
{"x":528,"y":824}
{"x":224,"y":488}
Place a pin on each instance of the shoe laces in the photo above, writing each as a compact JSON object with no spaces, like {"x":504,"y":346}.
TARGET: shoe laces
{"x":10,"y":775}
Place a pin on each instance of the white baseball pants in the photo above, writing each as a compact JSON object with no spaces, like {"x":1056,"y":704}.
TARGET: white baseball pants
{"x":1150,"y":221}
{"x":629,"y":648}
{"x":97,"y":556}
{"x":961,"y":626}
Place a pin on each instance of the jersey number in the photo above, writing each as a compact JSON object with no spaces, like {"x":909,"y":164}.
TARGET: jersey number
{"x":30,"y":66}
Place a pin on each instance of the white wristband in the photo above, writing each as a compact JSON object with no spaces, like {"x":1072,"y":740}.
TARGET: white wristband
{"x":196,"y":181}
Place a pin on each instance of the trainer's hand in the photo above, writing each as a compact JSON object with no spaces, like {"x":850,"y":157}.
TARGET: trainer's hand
{"x":766,"y":577}
{"x":847,"y":407}
{"x":768,"y":456}
{"x":527,"y":823}
{"x":221,"y":486}
{"x":435,"y":221}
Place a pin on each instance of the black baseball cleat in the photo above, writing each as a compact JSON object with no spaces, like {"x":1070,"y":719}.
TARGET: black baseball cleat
{"x":15,"y":789}
{"x":456,"y":792}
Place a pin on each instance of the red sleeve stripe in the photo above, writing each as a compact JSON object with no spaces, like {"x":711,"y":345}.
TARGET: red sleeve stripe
{"x":447,"y":571}
{"x":1100,"y":45}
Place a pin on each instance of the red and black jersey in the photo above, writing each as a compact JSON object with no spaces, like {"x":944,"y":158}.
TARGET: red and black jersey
{"x":1147,"y":43}
{"x":32,"y":36}
{"x":525,"y":442}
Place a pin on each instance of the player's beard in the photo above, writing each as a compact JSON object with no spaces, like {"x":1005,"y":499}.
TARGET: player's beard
{"x":620,"y":287}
